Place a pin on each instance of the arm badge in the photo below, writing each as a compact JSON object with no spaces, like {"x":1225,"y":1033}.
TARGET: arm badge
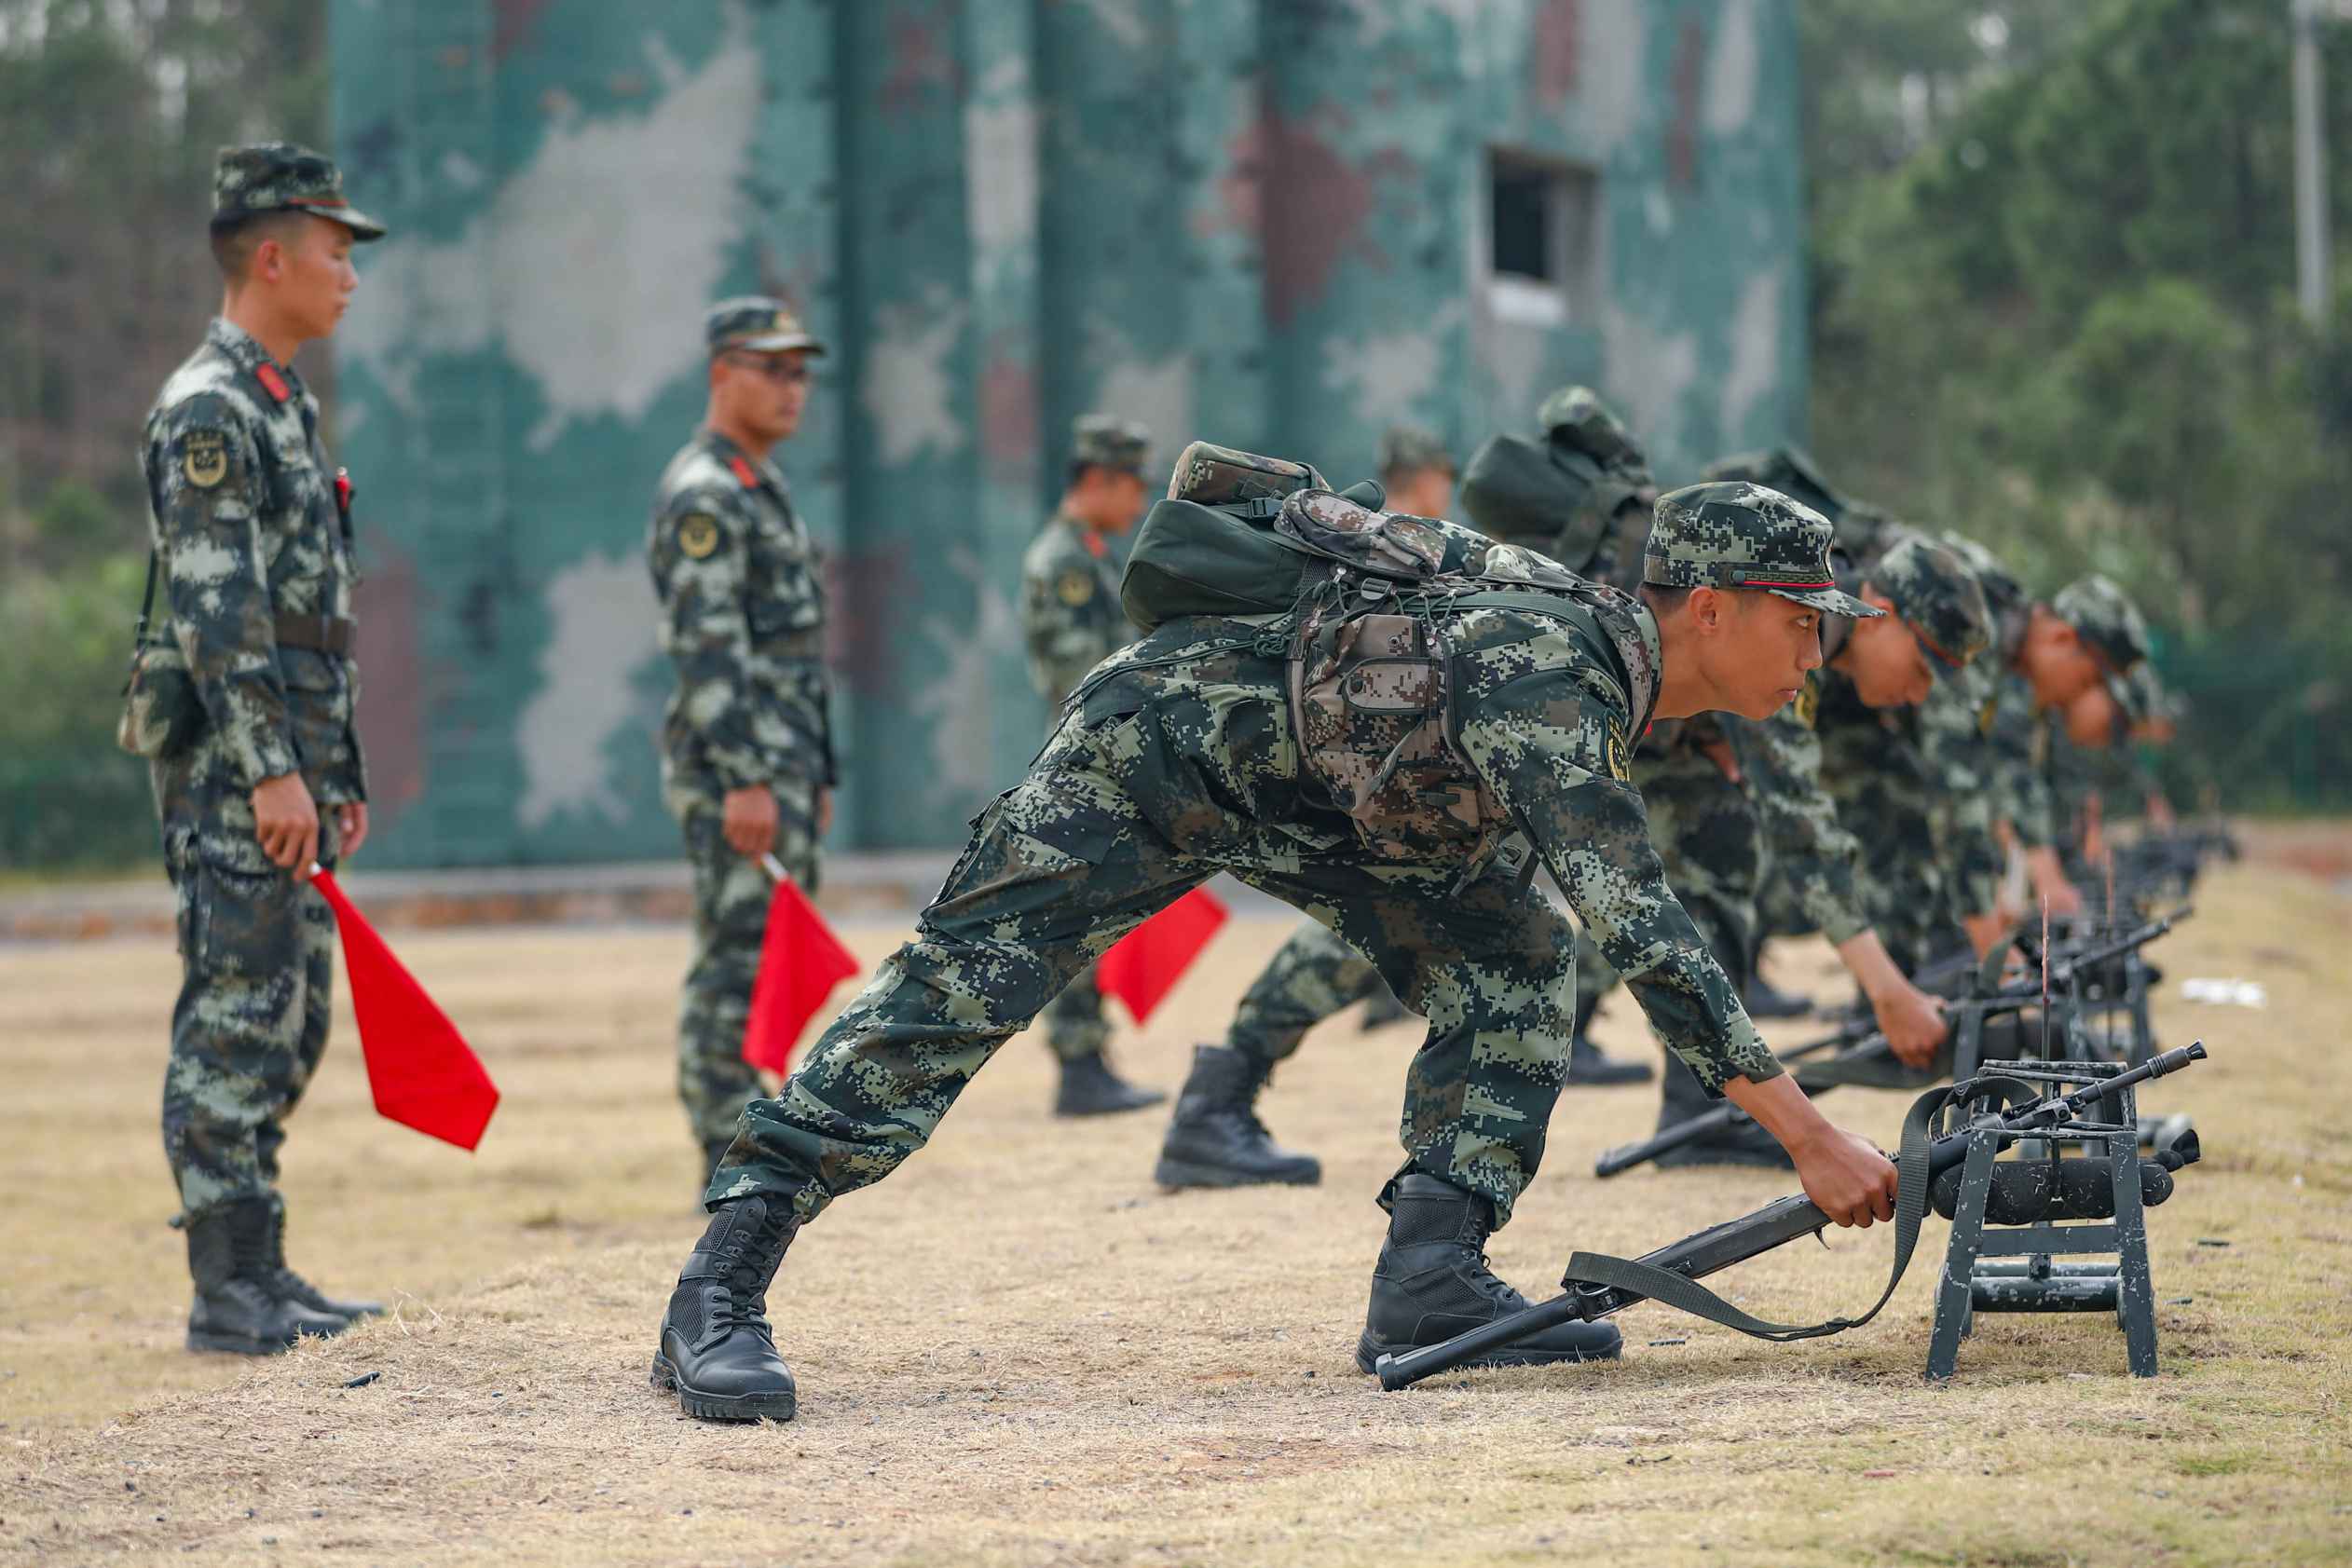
{"x":697,"y":535}
{"x":204,"y":457}
{"x":1074,"y":587}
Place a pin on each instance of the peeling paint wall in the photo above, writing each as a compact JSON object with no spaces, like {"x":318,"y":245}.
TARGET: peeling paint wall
{"x":1262,"y":222}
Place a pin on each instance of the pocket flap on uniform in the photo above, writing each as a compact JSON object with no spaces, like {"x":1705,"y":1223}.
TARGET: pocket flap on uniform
{"x":305,"y":669}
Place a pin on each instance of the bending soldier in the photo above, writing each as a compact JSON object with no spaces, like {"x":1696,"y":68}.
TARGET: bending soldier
{"x":1186,"y":754}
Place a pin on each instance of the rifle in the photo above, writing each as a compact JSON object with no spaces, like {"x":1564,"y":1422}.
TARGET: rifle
{"x":1869,"y":1059}
{"x":1595,"y":1287}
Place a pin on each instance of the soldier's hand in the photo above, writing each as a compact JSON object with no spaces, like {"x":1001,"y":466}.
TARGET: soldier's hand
{"x":1847,"y":1178}
{"x":824,"y":812}
{"x":351,"y":818}
{"x":1912,"y":1022}
{"x":287,"y":824}
{"x":748,"y":819}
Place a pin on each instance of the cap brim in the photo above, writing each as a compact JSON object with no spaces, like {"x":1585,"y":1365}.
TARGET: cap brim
{"x":363,"y":228}
{"x":776,"y":342}
{"x":1830,"y":600}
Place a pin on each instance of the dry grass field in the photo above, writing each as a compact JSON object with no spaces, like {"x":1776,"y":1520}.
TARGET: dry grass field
{"x":1018,"y":1351}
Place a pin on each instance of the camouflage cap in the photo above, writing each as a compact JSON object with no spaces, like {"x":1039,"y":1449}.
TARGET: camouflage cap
{"x":1736,"y":535}
{"x":1576,"y":418}
{"x":282,"y":177}
{"x":1938,"y":597}
{"x":1790,"y":469}
{"x":757,"y":323}
{"x":1103,"y":441}
{"x":2103,"y":616}
{"x":1410,"y":449}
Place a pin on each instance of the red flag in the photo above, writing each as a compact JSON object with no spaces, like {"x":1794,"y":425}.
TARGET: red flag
{"x":418,"y":1067}
{"x":1145,"y":965}
{"x":801,"y":961}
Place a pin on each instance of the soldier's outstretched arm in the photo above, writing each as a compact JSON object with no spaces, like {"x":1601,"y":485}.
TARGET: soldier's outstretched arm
{"x":205,"y":478}
{"x":1780,"y":762}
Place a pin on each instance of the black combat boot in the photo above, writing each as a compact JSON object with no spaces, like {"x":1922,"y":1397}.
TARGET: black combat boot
{"x":1432,"y":1282}
{"x":1741,"y":1143}
{"x":1216,"y":1138}
{"x":719,"y":1351}
{"x":238,"y":1310}
{"x":1589,"y":1064}
{"x":284,"y":1282}
{"x":1090,"y":1089}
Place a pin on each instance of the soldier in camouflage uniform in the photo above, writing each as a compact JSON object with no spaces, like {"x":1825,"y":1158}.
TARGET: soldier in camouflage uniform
{"x":1180,"y":757}
{"x":1416,"y":471}
{"x":747,"y":740}
{"x":1071,"y":622}
{"x":243,"y":705}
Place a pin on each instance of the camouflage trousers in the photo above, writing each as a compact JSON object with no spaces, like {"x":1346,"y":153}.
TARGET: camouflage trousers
{"x":1312,"y":977}
{"x":1713,"y":844}
{"x":256,"y":986}
{"x":1122,"y":813}
{"x":731,"y":896}
{"x":1074,"y":1024}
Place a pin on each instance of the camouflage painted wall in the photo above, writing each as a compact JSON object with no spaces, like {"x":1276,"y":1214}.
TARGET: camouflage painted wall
{"x":1258,"y":221}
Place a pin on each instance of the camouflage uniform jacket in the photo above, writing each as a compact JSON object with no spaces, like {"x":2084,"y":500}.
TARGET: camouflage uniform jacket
{"x":251,"y":542}
{"x":742,"y":618}
{"x":1071,"y":619}
{"x":1818,"y":858}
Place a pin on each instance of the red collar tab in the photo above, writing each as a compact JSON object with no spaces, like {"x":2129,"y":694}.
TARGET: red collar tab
{"x":749,"y":480}
{"x":271,"y":382}
{"x":342,"y":491}
{"x":1096,"y":545}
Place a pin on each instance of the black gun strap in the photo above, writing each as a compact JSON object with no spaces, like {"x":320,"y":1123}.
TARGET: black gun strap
{"x":147,"y":599}
{"x":1679,"y":1290}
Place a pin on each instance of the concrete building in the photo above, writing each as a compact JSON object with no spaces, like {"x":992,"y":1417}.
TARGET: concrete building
{"x":1280,"y":224}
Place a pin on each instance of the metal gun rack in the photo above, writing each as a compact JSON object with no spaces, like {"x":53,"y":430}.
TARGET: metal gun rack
{"x":2023,"y":1228}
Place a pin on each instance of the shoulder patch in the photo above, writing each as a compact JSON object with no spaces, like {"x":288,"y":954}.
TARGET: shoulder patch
{"x":204,"y":457}
{"x":1074,"y":587}
{"x":1988,"y":715}
{"x":1807,"y":705}
{"x":697,"y":535}
{"x":1613,"y":751}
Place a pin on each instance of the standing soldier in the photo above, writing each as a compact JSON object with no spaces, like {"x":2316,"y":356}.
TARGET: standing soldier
{"x":747,"y":742}
{"x":243,"y":707}
{"x":1071,"y":622}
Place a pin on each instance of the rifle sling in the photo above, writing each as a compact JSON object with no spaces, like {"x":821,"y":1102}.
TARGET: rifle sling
{"x":1679,"y":1290}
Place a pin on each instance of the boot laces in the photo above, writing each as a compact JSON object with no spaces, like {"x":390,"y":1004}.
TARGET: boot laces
{"x":741,"y":1299}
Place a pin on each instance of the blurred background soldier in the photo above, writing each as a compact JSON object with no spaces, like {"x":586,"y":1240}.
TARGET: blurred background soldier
{"x":1417,"y":471}
{"x":747,"y":749}
{"x":243,"y":704}
{"x":1071,"y":622}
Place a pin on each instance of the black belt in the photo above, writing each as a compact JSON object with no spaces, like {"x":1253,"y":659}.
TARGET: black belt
{"x":322,"y":634}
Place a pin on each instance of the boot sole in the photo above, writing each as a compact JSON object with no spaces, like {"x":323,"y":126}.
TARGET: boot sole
{"x":1180,"y":1174}
{"x":1369,"y":1350}
{"x":1074,"y":1113}
{"x":208,"y":1343}
{"x":721,"y":1407}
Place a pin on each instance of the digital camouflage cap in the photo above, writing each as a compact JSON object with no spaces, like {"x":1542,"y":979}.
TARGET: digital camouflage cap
{"x":1576,"y":418}
{"x":756,"y":323}
{"x":1410,"y":449}
{"x":280,"y":177}
{"x":2103,"y":616}
{"x":1737,"y":535}
{"x":1102,"y":441}
{"x":1938,"y":597}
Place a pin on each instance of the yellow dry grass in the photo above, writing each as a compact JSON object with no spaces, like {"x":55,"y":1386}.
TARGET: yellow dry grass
{"x":1018,"y":1351}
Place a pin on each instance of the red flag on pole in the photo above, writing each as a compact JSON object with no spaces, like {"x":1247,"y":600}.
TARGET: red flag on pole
{"x":1145,"y":965}
{"x":801,"y":961}
{"x":420,"y":1069}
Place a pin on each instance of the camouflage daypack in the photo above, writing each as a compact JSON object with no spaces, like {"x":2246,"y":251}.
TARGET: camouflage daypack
{"x":1370,"y":675}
